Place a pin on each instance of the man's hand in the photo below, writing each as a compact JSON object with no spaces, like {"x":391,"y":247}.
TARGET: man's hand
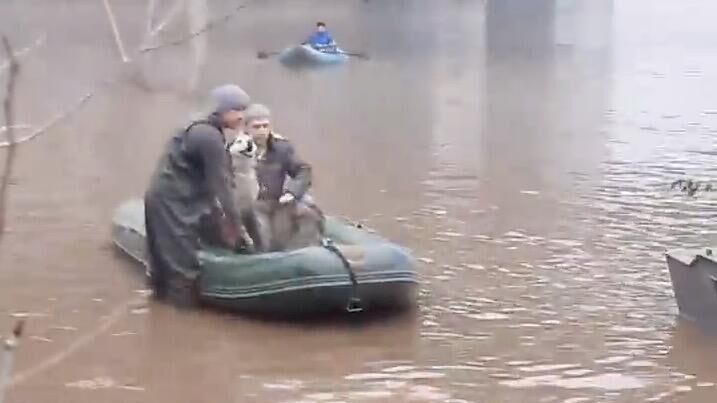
{"x":287,"y":198}
{"x":229,"y":234}
{"x":247,"y":243}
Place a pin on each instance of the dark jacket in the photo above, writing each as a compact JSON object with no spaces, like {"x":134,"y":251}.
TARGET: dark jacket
{"x":191,"y":178}
{"x":279,"y":161}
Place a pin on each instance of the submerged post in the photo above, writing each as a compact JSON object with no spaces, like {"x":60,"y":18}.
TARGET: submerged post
{"x":115,"y":31}
{"x":8,"y":352}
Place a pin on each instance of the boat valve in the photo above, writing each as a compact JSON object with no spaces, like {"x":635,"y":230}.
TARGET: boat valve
{"x":354,"y":305}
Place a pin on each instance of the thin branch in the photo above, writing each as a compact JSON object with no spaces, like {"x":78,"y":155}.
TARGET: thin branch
{"x":9,"y":111}
{"x":197,"y":16}
{"x":211,"y":25}
{"x":151,"y":5}
{"x":152,"y":32}
{"x":77,"y":105}
{"x":77,"y":344}
{"x":24,"y":51}
{"x":115,"y":31}
{"x":3,"y":129}
{"x":176,"y":6}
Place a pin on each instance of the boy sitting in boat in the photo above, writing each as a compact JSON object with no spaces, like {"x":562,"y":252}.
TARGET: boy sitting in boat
{"x":288,"y":217}
{"x":321,"y":39}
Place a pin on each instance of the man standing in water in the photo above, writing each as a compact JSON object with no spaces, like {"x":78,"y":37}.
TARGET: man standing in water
{"x":189,"y":183}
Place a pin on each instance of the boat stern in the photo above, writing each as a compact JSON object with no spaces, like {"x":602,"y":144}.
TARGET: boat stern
{"x":694,"y":283}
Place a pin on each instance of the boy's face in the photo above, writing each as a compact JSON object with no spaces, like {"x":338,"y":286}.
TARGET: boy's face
{"x":259,"y":130}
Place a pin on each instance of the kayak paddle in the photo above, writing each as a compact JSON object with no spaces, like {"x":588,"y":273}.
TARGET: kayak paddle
{"x":355,"y":54}
{"x":265,"y":55}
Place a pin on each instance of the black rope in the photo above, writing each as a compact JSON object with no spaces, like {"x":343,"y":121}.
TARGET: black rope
{"x":354,"y":303}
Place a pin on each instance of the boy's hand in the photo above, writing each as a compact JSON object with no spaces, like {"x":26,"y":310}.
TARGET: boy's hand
{"x":286,"y":198}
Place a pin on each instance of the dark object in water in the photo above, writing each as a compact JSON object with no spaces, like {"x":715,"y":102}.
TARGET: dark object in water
{"x":694,"y":282}
{"x":691,"y":187}
{"x":7,"y":356}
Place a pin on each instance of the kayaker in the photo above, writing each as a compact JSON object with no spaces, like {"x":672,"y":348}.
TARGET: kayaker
{"x":189,"y":184}
{"x":321,"y":39}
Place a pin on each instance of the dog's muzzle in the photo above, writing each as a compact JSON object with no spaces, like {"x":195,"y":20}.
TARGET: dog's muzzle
{"x":248,"y":151}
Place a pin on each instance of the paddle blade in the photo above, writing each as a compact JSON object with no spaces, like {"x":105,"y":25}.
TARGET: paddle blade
{"x":357,"y":54}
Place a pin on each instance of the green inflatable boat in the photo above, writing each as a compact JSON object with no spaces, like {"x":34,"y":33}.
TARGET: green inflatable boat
{"x":353,"y":271}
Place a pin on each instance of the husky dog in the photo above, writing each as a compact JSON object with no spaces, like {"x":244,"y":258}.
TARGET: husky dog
{"x":243,"y":157}
{"x":243,"y":152}
{"x":271,"y":225}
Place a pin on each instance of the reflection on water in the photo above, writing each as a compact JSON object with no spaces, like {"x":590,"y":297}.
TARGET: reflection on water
{"x":522,"y":150}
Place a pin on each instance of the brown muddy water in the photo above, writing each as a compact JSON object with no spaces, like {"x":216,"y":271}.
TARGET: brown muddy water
{"x":522,"y":149}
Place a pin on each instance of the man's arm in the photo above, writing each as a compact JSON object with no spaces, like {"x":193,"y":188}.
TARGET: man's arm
{"x":210,"y":147}
{"x":299,"y":171}
{"x":311,"y":39}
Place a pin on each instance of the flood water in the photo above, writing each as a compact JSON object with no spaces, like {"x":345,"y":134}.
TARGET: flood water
{"x":523,"y":150}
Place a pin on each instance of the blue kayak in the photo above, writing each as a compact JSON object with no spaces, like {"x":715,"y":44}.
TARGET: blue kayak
{"x":305,"y":54}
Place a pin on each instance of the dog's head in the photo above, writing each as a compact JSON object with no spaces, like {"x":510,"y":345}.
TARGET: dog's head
{"x":243,"y":145}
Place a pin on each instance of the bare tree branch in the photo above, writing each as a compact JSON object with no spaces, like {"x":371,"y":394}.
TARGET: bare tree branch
{"x":115,"y":31}
{"x":176,"y":6}
{"x":9,"y":344}
{"x":24,"y":51}
{"x":76,"y":106}
{"x":17,"y":126}
{"x":79,"y":103}
{"x":211,"y":25}
{"x":10,"y":126}
{"x":153,"y":31}
{"x":151,"y":5}
{"x":9,"y":112}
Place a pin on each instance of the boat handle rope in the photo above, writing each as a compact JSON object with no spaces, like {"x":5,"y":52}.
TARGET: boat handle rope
{"x":354,"y":303}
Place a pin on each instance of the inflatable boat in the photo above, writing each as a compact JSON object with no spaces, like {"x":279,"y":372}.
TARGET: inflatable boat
{"x":352,"y":271}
